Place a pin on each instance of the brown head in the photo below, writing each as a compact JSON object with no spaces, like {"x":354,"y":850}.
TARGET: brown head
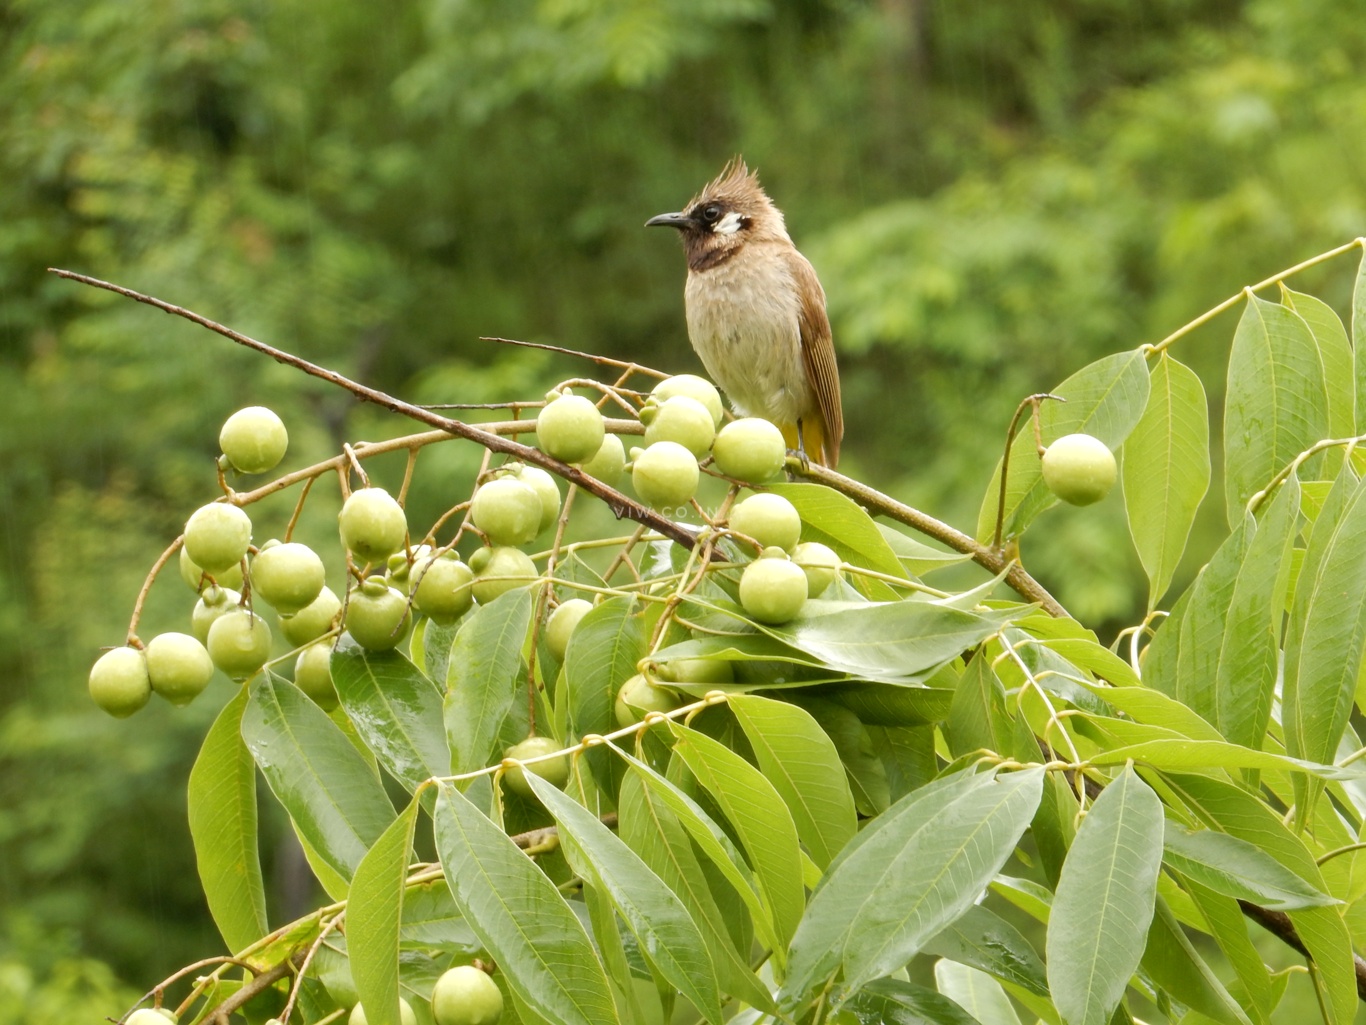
{"x":719,"y":221}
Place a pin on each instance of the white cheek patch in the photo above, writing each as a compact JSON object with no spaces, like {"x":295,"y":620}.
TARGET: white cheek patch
{"x":729,"y":224}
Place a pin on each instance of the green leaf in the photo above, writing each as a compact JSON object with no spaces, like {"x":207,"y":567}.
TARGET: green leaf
{"x":893,"y":1002}
{"x":801,"y":762}
{"x":396,"y":709}
{"x":865,"y":772}
{"x":911,"y":872}
{"x":1326,"y":936}
{"x":1336,"y":353}
{"x":1276,"y":404}
{"x":602,"y":655}
{"x":1173,"y":964}
{"x":430,"y":648}
{"x":1104,"y":399}
{"x":374,"y":910}
{"x":484,"y":676}
{"x":333,"y":798}
{"x":978,"y":719}
{"x":1180,"y":753}
{"x":915,"y":556}
{"x":1104,"y":901}
{"x":1238,"y":869}
{"x":222,"y":817}
{"x":1227,"y":925}
{"x":982,"y":939}
{"x":761,"y":821}
{"x":520,"y":917}
{"x":1359,"y":340}
{"x":1166,"y":470}
{"x":976,"y":992}
{"x":651,"y":911}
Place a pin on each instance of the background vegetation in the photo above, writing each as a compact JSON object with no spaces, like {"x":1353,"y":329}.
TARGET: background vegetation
{"x":993,"y":193}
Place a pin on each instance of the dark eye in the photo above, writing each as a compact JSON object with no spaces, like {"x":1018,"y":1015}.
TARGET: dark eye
{"x":711,"y":212}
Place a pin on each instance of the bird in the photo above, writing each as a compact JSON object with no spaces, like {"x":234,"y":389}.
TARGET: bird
{"x":756,"y":313}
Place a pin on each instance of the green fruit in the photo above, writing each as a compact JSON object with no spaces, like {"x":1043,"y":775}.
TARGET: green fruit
{"x":751,"y":450}
{"x":399,"y":566}
{"x":119,"y":682}
{"x":193,"y":575}
{"x":214,"y":602}
{"x":1079,"y":469}
{"x":554,"y":771}
{"x":377,"y":615}
{"x":498,"y":570}
{"x":372,"y":524}
{"x":178,"y":667}
{"x":638,"y":696}
{"x":254,"y":439}
{"x":562,"y":622}
{"x":444,"y":592}
{"x":820,"y":563}
{"x":543,"y":483}
{"x":290,"y":576}
{"x":405,"y":1014}
{"x":150,"y":1016}
{"x":464,"y":995}
{"x":312,"y":621}
{"x":697,"y":388}
{"x":569,"y":428}
{"x":696,"y":670}
{"x":239,"y":643}
{"x":772,"y":587}
{"x":610,"y":462}
{"x":681,"y":419}
{"x":507,"y":510}
{"x":665,"y":475}
{"x":313,"y":675}
{"x":217,"y":536}
{"x":770,"y":519}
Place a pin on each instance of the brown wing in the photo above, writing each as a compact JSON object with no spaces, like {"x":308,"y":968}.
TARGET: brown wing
{"x":818,"y":353}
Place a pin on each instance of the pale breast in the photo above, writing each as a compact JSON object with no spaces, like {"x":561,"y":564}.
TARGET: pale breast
{"x":743,"y":320}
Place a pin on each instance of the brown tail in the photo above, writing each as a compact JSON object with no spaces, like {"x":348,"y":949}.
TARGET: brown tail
{"x":814,"y":442}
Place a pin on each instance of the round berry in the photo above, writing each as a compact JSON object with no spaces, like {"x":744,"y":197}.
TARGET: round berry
{"x":562,"y":622}
{"x":254,"y":439}
{"x":372,"y":524}
{"x":119,"y":682}
{"x":178,"y":667}
{"x":543,"y":483}
{"x":313,"y":675}
{"x":772,"y":587}
{"x":150,"y":1016}
{"x":554,"y":771}
{"x":194,"y":575}
{"x":681,"y":419}
{"x":770,"y":519}
{"x":610,"y":462}
{"x":638,"y":696}
{"x":464,"y":995}
{"x":444,"y":588}
{"x":405,"y":1014}
{"x":239,"y":643}
{"x":313,"y":620}
{"x":507,"y":510}
{"x":498,"y":570}
{"x":377,"y":615}
{"x":665,"y":475}
{"x":569,"y":428}
{"x":399,"y":566}
{"x":1079,"y":469}
{"x":820,"y":563}
{"x":696,"y":670}
{"x":694,"y":387}
{"x":289,"y":576}
{"x":214,"y":602}
{"x":217,"y":536}
{"x":751,"y":450}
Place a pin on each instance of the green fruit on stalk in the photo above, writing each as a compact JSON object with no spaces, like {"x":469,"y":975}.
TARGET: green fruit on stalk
{"x":445,"y":588}
{"x":610,"y":462}
{"x":213,"y":603}
{"x":289,"y":576}
{"x":239,"y":643}
{"x":543,"y":483}
{"x":554,"y":771}
{"x":1079,"y":469}
{"x":377,"y":616}
{"x":772,"y":587}
{"x":751,"y":450}
{"x":696,"y":670}
{"x":464,"y":995}
{"x":569,"y":428}
{"x":193,"y":575}
{"x":498,"y":570}
{"x":119,"y":683}
{"x":638,"y":696}
{"x":313,"y":675}
{"x":665,"y":475}
{"x":507,"y":511}
{"x":217,"y":537}
{"x":697,"y":388}
{"x":312,"y":621}
{"x":770,"y":519}
{"x":681,"y":419}
{"x":405,"y":1014}
{"x":254,"y":439}
{"x":562,"y":622}
{"x":372,"y":524}
{"x":820,"y":563}
{"x":178,"y":667}
{"x":150,"y":1016}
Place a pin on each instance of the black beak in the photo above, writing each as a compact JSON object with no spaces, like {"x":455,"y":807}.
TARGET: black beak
{"x":679,"y":221}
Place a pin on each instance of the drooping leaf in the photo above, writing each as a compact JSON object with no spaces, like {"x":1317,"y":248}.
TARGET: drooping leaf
{"x":865,"y":772}
{"x":986,"y":941}
{"x":602,"y":655}
{"x":374,"y":910}
{"x":1104,"y":901}
{"x":976,"y":992}
{"x":1176,"y":967}
{"x":1359,"y":340}
{"x":893,"y":1002}
{"x":1227,"y":925}
{"x":1104,"y":399}
{"x":801,"y":762}
{"x":332,"y":797}
{"x":520,"y":917}
{"x":1276,"y":404}
{"x":1176,"y":753}
{"x":1336,"y":353}
{"x":222,"y":817}
{"x":484,"y":676}
{"x":978,"y":718}
{"x":395,"y":709}
{"x":1236,"y":868}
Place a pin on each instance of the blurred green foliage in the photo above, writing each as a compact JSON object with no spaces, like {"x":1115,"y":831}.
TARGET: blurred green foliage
{"x":993,"y":193}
